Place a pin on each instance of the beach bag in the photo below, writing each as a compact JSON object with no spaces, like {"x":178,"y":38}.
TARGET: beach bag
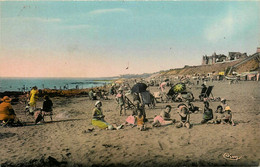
{"x":208,"y":114}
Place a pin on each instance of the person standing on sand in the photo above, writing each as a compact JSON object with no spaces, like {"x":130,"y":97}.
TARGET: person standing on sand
{"x":120,"y":97}
{"x":33,"y":99}
{"x":91,"y":94}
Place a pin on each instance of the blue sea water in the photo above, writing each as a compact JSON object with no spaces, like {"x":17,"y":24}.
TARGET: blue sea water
{"x":25,"y":84}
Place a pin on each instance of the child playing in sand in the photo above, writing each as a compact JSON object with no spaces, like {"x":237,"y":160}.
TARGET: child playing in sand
{"x":207,"y":114}
{"x":184,"y":119}
{"x":140,"y":121}
{"x":164,"y":118}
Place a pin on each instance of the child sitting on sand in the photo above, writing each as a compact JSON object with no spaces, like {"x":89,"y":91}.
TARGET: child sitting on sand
{"x":184,"y":119}
{"x":192,"y":108}
{"x":228,"y":116}
{"x":140,"y":121}
{"x":219,"y":115}
{"x":164,"y":118}
{"x":223,"y":103}
{"x":139,"y":106}
{"x":207,"y":114}
{"x":130,"y":120}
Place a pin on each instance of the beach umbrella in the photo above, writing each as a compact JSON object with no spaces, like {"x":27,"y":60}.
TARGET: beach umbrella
{"x":139,"y":87}
{"x":179,"y":87}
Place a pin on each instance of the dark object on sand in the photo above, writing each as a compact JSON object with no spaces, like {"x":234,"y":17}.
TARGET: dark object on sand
{"x":139,"y":87}
{"x":38,"y":118}
{"x":206,"y":92}
{"x":148,"y":99}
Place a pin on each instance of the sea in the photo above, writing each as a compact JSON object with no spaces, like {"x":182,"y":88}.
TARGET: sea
{"x":25,"y":84}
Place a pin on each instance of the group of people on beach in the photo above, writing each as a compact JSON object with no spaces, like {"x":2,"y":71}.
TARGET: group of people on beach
{"x":222,"y":115}
{"x":138,"y":118}
{"x":8,"y":115}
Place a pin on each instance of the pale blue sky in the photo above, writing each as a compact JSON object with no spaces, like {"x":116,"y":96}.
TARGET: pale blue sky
{"x":91,"y":39}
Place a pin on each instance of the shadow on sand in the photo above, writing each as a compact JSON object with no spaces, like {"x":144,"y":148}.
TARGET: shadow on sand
{"x":52,"y":162}
{"x":50,"y":122}
{"x":6,"y":135}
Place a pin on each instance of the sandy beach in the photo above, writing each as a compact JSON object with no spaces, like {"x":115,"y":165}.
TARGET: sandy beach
{"x":67,"y":141}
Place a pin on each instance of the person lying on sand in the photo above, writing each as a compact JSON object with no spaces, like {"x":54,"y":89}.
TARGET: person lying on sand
{"x":207,"y":114}
{"x":7,"y":114}
{"x":140,"y":121}
{"x":184,"y":119}
{"x":164,"y":118}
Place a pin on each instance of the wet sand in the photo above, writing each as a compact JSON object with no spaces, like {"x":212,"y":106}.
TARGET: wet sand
{"x":67,"y":142}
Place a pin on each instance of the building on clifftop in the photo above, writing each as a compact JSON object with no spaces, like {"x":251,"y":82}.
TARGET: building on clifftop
{"x":218,"y":58}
